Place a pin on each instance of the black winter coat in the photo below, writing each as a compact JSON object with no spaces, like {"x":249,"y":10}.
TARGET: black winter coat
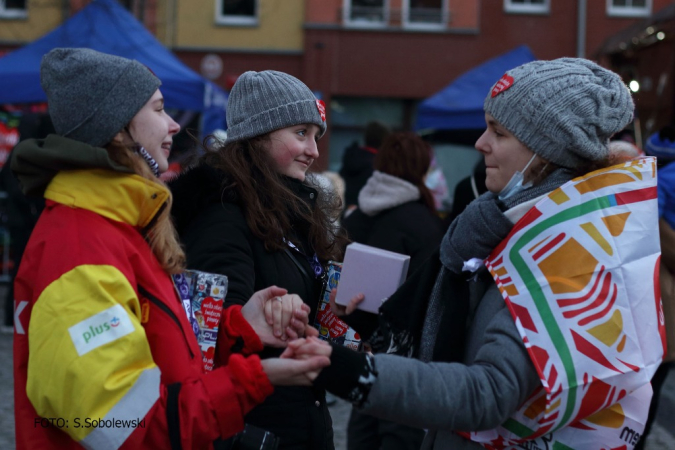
{"x":216,"y":237}
{"x":411,"y":229}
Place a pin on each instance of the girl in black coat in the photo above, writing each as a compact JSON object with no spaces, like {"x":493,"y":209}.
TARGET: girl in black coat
{"x":396,"y":212}
{"x":247,"y":211}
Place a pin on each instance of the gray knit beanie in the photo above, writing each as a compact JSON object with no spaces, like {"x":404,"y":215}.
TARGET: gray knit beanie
{"x":564,"y":110}
{"x":261,"y":102}
{"x":93,"y":95}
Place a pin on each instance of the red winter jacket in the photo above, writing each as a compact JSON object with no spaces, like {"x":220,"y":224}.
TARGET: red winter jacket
{"x":104,"y":356}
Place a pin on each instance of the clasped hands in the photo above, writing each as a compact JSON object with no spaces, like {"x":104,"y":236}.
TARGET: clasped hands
{"x":277,"y":316}
{"x":281,"y":319}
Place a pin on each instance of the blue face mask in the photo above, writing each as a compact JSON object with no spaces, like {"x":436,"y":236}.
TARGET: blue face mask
{"x":515,"y":184}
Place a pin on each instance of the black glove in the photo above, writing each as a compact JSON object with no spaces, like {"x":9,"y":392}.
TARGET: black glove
{"x":350,"y":374}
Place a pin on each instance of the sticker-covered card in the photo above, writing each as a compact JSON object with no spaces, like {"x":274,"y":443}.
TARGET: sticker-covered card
{"x":330,"y":327}
{"x":202,"y":295}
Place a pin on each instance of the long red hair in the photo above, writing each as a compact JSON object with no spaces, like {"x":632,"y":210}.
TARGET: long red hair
{"x":406,"y":156}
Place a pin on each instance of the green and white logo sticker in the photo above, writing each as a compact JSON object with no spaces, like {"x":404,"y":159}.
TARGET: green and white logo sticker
{"x":99,"y":329}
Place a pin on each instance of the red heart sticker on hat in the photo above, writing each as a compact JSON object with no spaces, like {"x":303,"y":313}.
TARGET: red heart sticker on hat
{"x":503,"y":84}
{"x":321,"y":106}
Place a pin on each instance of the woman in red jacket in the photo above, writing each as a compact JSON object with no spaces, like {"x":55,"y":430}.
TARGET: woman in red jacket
{"x":104,"y":354}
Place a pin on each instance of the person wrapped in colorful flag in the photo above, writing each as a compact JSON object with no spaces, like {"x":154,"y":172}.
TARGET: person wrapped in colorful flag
{"x":539,"y":323}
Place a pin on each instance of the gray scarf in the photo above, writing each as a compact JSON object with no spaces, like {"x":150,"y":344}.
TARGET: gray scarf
{"x":483,"y":225}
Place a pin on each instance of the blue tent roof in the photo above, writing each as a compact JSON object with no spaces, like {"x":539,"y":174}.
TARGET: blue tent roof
{"x":459,"y":106}
{"x":106,"y":26}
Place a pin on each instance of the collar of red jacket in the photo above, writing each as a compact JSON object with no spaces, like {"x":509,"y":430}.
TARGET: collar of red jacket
{"x":126,"y":198}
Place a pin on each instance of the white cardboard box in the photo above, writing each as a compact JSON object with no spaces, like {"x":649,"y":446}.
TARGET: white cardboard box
{"x":374,"y":272}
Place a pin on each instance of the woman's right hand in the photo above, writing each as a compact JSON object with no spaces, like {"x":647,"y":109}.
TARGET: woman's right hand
{"x":288,"y":316}
{"x":254,"y":313}
{"x":291,"y":324}
{"x":340,"y":310}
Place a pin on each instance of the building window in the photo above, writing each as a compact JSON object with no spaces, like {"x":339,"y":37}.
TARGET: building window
{"x":237,"y":12}
{"x":425,"y":13}
{"x":13,"y":9}
{"x":629,"y":8}
{"x":527,"y":6}
{"x":366,"y":13}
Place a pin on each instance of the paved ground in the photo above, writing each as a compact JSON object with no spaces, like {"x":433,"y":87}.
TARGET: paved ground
{"x":661,"y":438}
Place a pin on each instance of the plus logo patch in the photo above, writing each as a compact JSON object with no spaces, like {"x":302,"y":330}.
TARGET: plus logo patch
{"x":505,"y":82}
{"x":99,"y":329}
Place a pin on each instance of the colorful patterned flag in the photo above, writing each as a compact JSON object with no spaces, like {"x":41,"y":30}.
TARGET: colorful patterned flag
{"x":579,"y":273}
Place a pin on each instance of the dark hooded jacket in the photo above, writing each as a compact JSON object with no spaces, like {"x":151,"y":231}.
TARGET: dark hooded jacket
{"x":392,"y":217}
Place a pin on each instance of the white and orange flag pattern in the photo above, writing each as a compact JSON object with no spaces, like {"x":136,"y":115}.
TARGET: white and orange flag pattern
{"x":579,"y":273}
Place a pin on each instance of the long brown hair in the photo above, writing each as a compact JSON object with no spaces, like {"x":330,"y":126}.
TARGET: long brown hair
{"x":592,"y":166}
{"x":406,"y":156}
{"x":269,"y":206}
{"x":161,"y":234}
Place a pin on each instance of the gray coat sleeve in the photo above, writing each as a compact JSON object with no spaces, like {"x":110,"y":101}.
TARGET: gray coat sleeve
{"x":476,"y":396}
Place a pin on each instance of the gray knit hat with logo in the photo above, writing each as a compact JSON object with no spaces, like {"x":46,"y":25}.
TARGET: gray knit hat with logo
{"x":564,"y":110}
{"x":261,"y":102}
{"x":93,"y":95}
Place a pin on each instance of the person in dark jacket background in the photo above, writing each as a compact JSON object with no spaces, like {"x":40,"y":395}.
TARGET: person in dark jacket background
{"x":357,"y":162}
{"x":396,"y":212}
{"x":395,"y":208}
{"x":466,"y":191}
{"x":22,"y":211}
{"x":662,"y":145}
{"x":247,"y":211}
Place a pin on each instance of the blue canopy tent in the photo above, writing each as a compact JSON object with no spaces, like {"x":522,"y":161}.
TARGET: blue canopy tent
{"x":459,"y":106}
{"x":106,"y":26}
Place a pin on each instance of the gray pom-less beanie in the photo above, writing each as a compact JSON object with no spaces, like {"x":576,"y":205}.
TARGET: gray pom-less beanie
{"x":262,"y":102}
{"x":564,"y":110}
{"x":92,"y":95}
